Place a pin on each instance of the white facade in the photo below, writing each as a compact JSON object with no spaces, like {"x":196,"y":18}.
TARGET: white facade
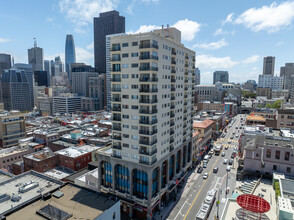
{"x":269,"y":81}
{"x":66,"y":105}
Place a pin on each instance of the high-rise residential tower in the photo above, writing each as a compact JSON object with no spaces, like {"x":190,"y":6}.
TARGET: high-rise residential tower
{"x":152,"y":89}
{"x":70,"y":53}
{"x":16,"y":90}
{"x":268,"y":65}
{"x":36,"y":57}
{"x":221,"y":76}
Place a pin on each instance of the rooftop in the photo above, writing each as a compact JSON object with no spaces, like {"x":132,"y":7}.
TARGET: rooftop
{"x":41,"y":155}
{"x":255,"y":118}
{"x":59,"y":173}
{"x":76,"y":201}
{"x":72,"y":152}
{"x":202,"y":124}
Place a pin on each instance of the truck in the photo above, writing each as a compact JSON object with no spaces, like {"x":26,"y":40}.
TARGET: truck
{"x":217,"y":149}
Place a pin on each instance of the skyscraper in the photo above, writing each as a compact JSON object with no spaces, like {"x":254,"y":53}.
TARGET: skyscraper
{"x":70,"y":53}
{"x":36,"y":57}
{"x":107,"y":23}
{"x":47,"y":67}
{"x":5,"y":63}
{"x":41,"y":78}
{"x":16,"y":90}
{"x":197,"y":76}
{"x":268,"y":65}
{"x":152,"y":109}
{"x":220,"y":76}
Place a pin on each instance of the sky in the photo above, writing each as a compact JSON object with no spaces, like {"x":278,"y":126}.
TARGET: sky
{"x":226,"y":35}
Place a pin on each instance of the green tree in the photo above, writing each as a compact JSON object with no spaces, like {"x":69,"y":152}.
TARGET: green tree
{"x":268,"y":105}
{"x":277,"y":104}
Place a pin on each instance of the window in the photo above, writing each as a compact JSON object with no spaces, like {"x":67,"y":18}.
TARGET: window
{"x":134,"y":147}
{"x":135,"y":54}
{"x":125,"y":145}
{"x":274,"y":167}
{"x":126,"y":135}
{"x":135,"y":65}
{"x":124,"y":55}
{"x":134,"y":127}
{"x":288,"y":170}
{"x":125,"y":44}
{"x":135,"y":43}
{"x":268,"y":153}
{"x":125,"y":86}
{"x":125,"y":126}
{"x":125,"y":96}
{"x":134,"y":137}
{"x":125,"y":106}
{"x":135,"y":96}
{"x":135,"y":76}
{"x":135,"y":117}
{"x":125,"y":65}
{"x":125,"y":116}
{"x":287,"y":156}
{"x":134,"y":86}
{"x":278,"y":154}
{"x":135,"y":107}
{"x":125,"y":76}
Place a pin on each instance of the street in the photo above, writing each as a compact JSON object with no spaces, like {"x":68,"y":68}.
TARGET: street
{"x":196,"y":187}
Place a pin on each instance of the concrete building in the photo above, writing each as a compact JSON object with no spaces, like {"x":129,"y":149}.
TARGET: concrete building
{"x":250,"y":85}
{"x":36,"y":57}
{"x":5,"y":63}
{"x":151,"y":87}
{"x":287,"y":72}
{"x":221,"y":76}
{"x":70,"y":54}
{"x":285,"y":118}
{"x":197,"y":76}
{"x":66,"y":104}
{"x":280,"y":93}
{"x":268,"y":65}
{"x":269,"y":81}
{"x":206,"y":93}
{"x":267,"y":92}
{"x":12,"y":128}
{"x":208,"y":106}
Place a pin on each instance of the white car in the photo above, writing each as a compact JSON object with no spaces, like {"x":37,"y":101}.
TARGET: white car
{"x":223,"y":154}
{"x":228,"y":168}
{"x":225,"y":161}
{"x":205,"y":175}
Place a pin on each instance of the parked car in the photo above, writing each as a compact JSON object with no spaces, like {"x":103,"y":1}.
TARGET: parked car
{"x":225,"y":161}
{"x":215,"y":169}
{"x":204,"y":165}
{"x":228,"y":168}
{"x":226,"y":147}
{"x":200,"y":169}
{"x":205,"y":176}
{"x":223,"y":153}
{"x":230,"y":162}
{"x":233,"y":155}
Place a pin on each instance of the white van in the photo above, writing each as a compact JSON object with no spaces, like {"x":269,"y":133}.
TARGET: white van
{"x":206,"y":159}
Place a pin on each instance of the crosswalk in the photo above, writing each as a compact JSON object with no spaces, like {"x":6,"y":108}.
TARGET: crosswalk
{"x":229,"y":145}
{"x":227,"y":140}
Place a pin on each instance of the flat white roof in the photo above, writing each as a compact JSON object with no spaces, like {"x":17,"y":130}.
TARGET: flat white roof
{"x":72,"y":152}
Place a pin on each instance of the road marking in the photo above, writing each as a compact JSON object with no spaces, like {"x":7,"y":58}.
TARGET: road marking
{"x":180,"y":210}
{"x":201,"y":188}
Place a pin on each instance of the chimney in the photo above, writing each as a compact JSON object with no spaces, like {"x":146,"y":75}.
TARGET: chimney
{"x":167,"y":27}
{"x":162,"y":34}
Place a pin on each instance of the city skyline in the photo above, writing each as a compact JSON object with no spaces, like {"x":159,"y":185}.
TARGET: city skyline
{"x":228,"y":40}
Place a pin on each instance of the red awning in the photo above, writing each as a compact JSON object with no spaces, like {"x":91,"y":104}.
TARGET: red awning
{"x":253,"y":203}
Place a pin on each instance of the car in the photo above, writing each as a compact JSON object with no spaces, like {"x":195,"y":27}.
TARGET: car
{"x":225,"y":161}
{"x":205,"y":175}
{"x":234,"y":133}
{"x":199,"y":170}
{"x":215,"y":169}
{"x":204,"y":165}
{"x":232,"y":137}
{"x":236,"y":136}
{"x":223,"y":135}
{"x":230,"y":162}
{"x":223,"y":154}
{"x":233,"y":155}
{"x":226,"y":147}
{"x":229,"y":142}
{"x":240,"y":127}
{"x":228,"y":168}
{"x":235,"y":148}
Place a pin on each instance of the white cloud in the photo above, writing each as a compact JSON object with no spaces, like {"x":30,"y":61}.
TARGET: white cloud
{"x":229,"y":19}
{"x":220,"y":31}
{"x":268,"y":18}
{"x":83,"y":55}
{"x":81,"y":12}
{"x":210,"y":62}
{"x":213,"y":45}
{"x":90,"y":46}
{"x":4,"y":40}
{"x":279,"y":43}
{"x":150,"y":1}
{"x":252,"y":59}
{"x":188,"y":29}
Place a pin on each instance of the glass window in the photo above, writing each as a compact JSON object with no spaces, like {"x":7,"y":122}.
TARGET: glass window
{"x":287,"y":156}
{"x":135,"y":96}
{"x":135,"y":43}
{"x":125,"y":76}
{"x":125,"y":44}
{"x":268,"y":153}
{"x":125,"y":116}
{"x":288,"y":170}
{"x":125,"y":55}
{"x":135,"y":65}
{"x":135,"y":54}
{"x":135,"y":107}
{"x":125,"y":65}
{"x":278,"y":154}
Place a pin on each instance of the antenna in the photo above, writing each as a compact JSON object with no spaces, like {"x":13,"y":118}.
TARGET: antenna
{"x":35,"y":42}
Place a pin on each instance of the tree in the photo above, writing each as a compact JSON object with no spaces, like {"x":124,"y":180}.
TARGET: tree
{"x":268,"y":105}
{"x":277,"y":104}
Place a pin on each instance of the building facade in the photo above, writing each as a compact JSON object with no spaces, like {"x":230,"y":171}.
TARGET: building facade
{"x":197,"y":76}
{"x":36,"y":58}
{"x":66,"y":104}
{"x":152,"y":78}
{"x":5,"y":63}
{"x":280,"y":93}
{"x":221,"y":76}
{"x":47,"y":67}
{"x":267,"y":92}
{"x":70,"y":54}
{"x":206,"y":93}
{"x":285,"y":118}
{"x":41,"y":78}
{"x":269,"y":81}
{"x":287,"y":72}
{"x":268,"y":66}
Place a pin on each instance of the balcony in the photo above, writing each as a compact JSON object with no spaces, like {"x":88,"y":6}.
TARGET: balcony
{"x":173,"y":71}
{"x":148,"y":68}
{"x":116,"y":109}
{"x":172,"y":123}
{"x":116,"y":118}
{"x":186,"y":88}
{"x":148,"y":111}
{"x":116,"y":99}
{"x":173,"y":80}
{"x":116,"y":89}
{"x":147,"y":142}
{"x":117,"y":156}
{"x":118,"y":79}
{"x":148,"y":132}
{"x":186,"y":73}
{"x":147,"y":122}
{"x":185,"y":110}
{"x":171,"y":140}
{"x":185,"y":118}
{"x":186,"y":81}
{"x":171,"y":148}
{"x":116,"y":137}
{"x":142,"y":46}
{"x":171,"y":132}
{"x":173,"y":62}
{"x":115,"y":59}
{"x":173,"y":52}
{"x":148,"y":153}
{"x":184,"y":133}
{"x":172,"y":97}
{"x":185,"y":96}
{"x":172,"y":89}
{"x":116,"y":146}
{"x":185,"y":125}
{"x":115,"y":48}
{"x":149,"y":163}
{"x":172,"y":106}
{"x":148,"y":79}
{"x":172,"y":115}
{"x":186,"y":65}
{"x":148,"y":57}
{"x":148,"y":90}
{"x":193,"y":59}
{"x":116,"y":128}
{"x":148,"y":101}
{"x":185,"y":103}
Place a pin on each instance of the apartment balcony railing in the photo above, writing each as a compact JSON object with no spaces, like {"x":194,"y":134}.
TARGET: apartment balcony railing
{"x":172,"y":98}
{"x":116,"y":80}
{"x":148,"y":132}
{"x":172,"y":89}
{"x":185,"y":96}
{"x":115,"y":70}
{"x":173,"y":80}
{"x":172,"y":124}
{"x":172,"y":106}
{"x":116,"y":137}
{"x":148,"y":90}
{"x":173,"y":62}
{"x":173,"y":71}
{"x":147,"y":122}
{"x":186,"y":73}
{"x":185,"y":111}
{"x":148,"y":79}
{"x":142,"y":46}
{"x":171,"y":140}
{"x":147,"y":142}
{"x":148,"y":162}
{"x":115,"y":118}
{"x":186,"y":81}
{"x":171,"y":132}
{"x":117,"y":146}
{"x":193,"y":59}
{"x":186,"y":57}
{"x":186,"y":88}
{"x":148,"y":57}
{"x":116,"y":99}
{"x":172,"y":115}
{"x":116,"y":89}
{"x":116,"y":156}
{"x":115,"y":49}
{"x":116,"y":109}
{"x":116,"y":128}
{"x":171,"y":148}
{"x":173,"y":52}
{"x":115,"y":59}
{"x":186,"y":65}
{"x":148,"y":101}
{"x":148,"y":111}
{"x":148,"y":153}
{"x":148,"y":68}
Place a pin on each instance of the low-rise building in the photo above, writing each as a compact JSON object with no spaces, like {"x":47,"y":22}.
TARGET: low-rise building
{"x":285,"y":118}
{"x":255,"y":120}
{"x":284,"y":94}
{"x":267,"y":92}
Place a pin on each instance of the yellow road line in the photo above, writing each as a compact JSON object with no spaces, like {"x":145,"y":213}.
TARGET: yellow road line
{"x":201,"y":187}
